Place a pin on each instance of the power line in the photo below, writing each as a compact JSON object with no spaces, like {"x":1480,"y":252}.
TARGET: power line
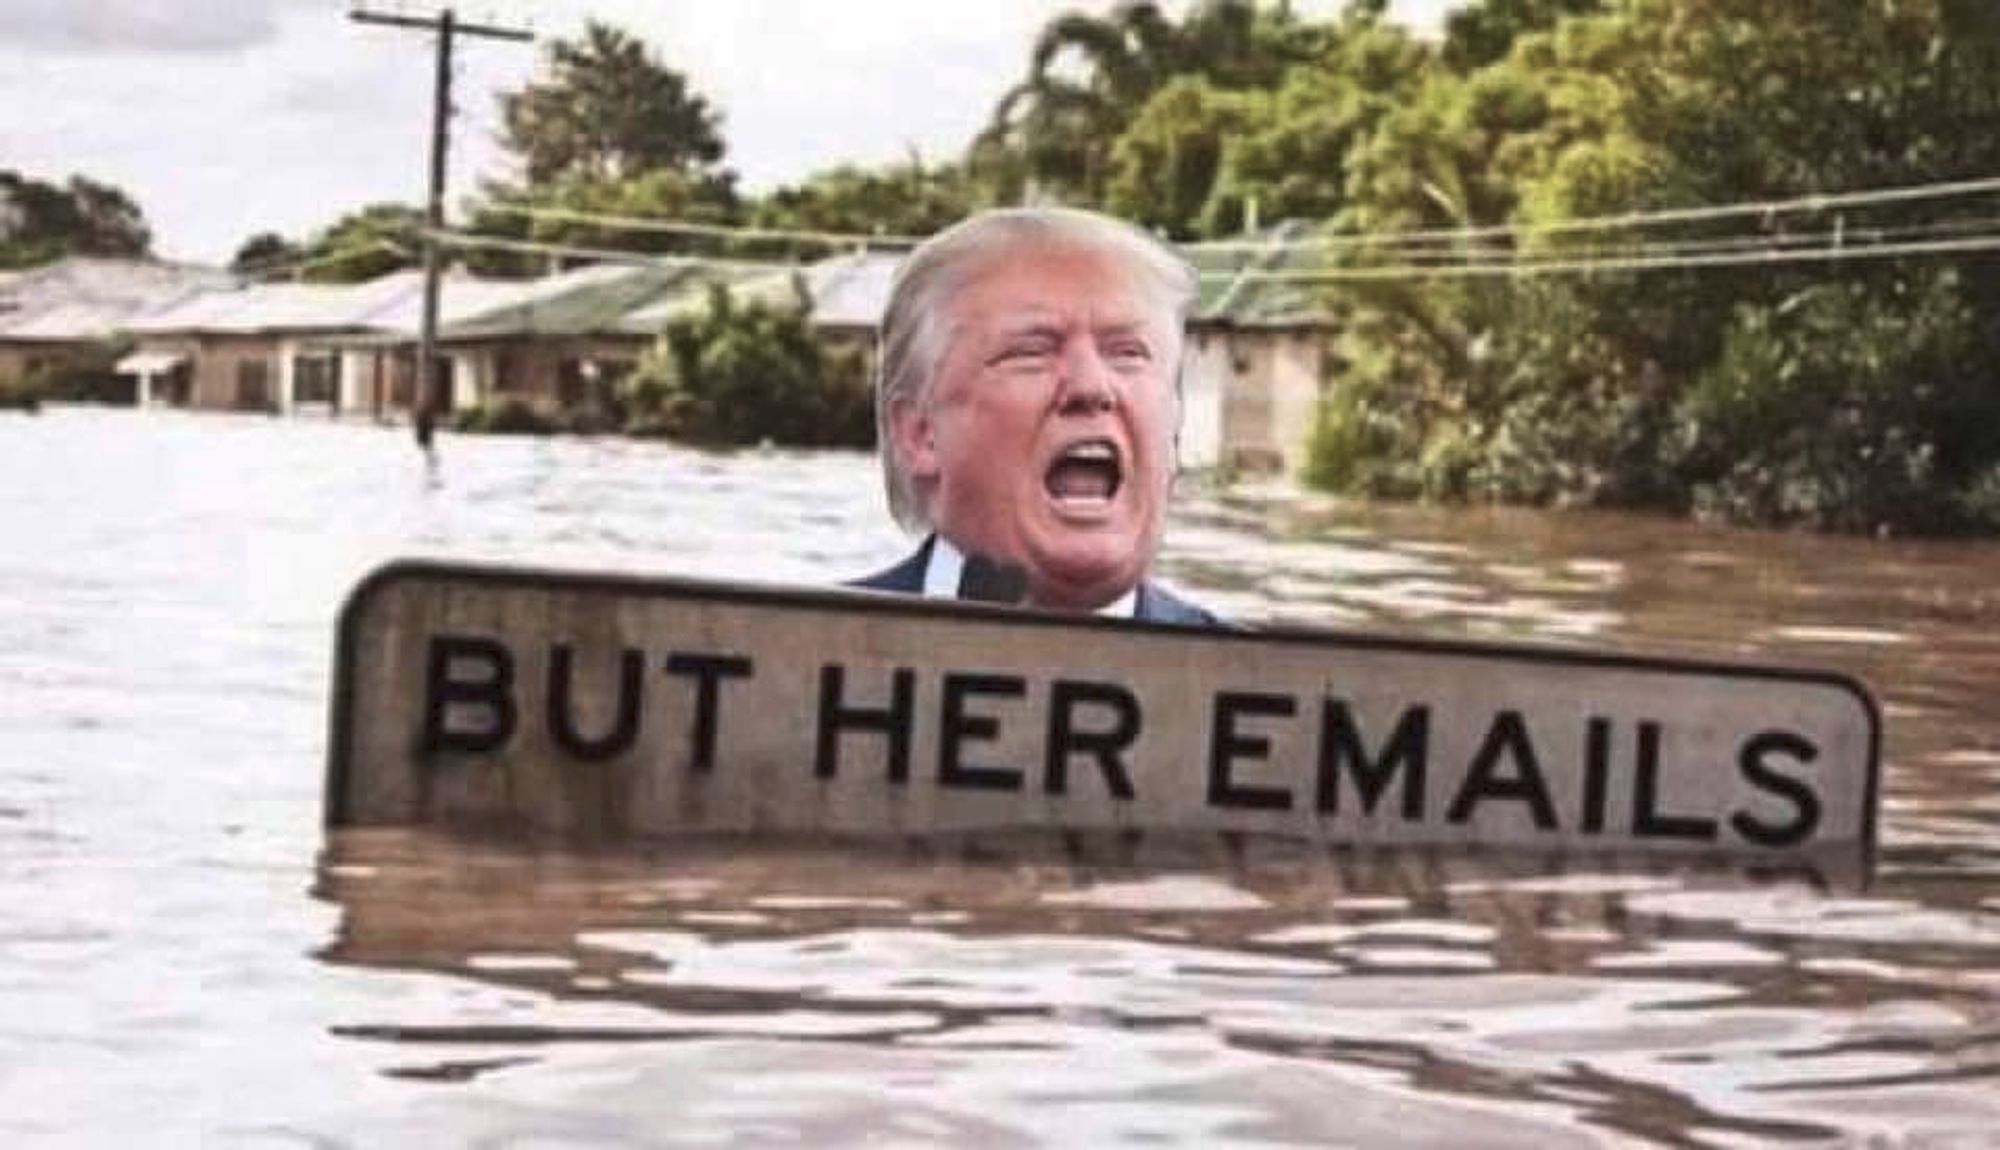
{"x":1643,"y":261}
{"x":470,"y":240}
{"x":1387,"y":241}
{"x":682,"y":227}
{"x":1830,"y":237}
{"x":1817,"y":203}
{"x":1528,"y":268}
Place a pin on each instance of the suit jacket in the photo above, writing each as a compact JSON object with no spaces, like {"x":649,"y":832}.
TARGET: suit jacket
{"x":1155,"y":603}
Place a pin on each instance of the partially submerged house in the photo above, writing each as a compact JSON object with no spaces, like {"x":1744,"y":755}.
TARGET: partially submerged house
{"x":1258,"y":355}
{"x":565,"y":346}
{"x":264,"y":347}
{"x":327,"y":348}
{"x":76,"y":311}
{"x":845,"y":296}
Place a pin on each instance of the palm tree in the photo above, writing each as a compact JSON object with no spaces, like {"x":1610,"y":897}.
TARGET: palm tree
{"x":1088,"y":76}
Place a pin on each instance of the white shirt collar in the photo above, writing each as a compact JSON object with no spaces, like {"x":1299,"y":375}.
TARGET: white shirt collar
{"x":946,"y":564}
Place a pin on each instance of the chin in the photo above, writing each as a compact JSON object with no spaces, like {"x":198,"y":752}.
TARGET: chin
{"x":1096,"y":561}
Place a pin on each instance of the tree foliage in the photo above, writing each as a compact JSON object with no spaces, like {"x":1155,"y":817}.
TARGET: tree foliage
{"x":748,"y":371}
{"x":1090,"y":76}
{"x":907,"y":199}
{"x":609,"y":110}
{"x":42,"y":221}
{"x":1850,"y":396}
{"x":265,"y":253}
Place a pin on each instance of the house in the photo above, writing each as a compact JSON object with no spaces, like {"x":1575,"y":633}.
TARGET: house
{"x":379,"y":362}
{"x":564,"y":345}
{"x":296,"y":347}
{"x":262,"y":347}
{"x":73,"y":311}
{"x":847,"y":295}
{"x":1258,"y":353}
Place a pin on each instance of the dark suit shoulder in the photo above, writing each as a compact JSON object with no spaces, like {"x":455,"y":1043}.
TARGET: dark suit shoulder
{"x":906,"y":577}
{"x":1160,"y":605}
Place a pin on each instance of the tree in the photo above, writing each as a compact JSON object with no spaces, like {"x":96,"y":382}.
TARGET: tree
{"x":907,"y":199}
{"x":608,"y":111}
{"x":362,"y":245}
{"x":1483,"y":33}
{"x":580,"y":212}
{"x":1089,"y":76}
{"x":1165,"y":164}
{"x":1844,"y":395}
{"x":40,"y":221}
{"x":1292,"y":160}
{"x":266,"y":253}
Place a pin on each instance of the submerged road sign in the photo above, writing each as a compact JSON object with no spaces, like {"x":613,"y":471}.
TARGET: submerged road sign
{"x":607,"y":707}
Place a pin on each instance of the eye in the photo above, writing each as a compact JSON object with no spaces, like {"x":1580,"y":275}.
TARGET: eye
{"x":1128,"y":351}
{"x":1023,"y":352}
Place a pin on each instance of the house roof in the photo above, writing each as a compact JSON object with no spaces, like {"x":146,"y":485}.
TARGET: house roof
{"x":281,"y":307}
{"x":853,"y":291}
{"x":459,"y":298}
{"x":390,"y":305}
{"x":83,"y":298}
{"x":590,"y":301}
{"x":849,"y":291}
{"x":1230,"y":298}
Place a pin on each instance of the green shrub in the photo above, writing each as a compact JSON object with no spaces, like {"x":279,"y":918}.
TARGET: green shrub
{"x":744,"y":372}
{"x":16,"y":395}
{"x":511,"y":416}
{"x":1849,"y":407}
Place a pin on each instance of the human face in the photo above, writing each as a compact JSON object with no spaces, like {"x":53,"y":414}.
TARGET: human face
{"x":1045,"y":439}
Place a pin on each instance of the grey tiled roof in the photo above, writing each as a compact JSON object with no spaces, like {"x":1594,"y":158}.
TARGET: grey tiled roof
{"x":87,"y":298}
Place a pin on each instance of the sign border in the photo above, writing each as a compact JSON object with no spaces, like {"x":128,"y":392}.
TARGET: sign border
{"x":347,"y":627}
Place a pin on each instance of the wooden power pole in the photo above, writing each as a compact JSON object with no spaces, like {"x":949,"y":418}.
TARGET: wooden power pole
{"x":447,"y":28}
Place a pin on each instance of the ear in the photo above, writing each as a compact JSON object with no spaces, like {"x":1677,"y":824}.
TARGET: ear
{"x":914,"y":439}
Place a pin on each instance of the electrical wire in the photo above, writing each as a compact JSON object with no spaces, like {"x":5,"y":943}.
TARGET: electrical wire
{"x":470,"y":240}
{"x":1815,"y":203}
{"x":1832,"y":237}
{"x":1825,"y":253}
{"x":682,"y":227}
{"x":1530,"y":268}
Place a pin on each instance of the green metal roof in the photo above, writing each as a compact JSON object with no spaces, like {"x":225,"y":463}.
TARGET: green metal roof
{"x":593,"y":306}
{"x":1231,"y":298}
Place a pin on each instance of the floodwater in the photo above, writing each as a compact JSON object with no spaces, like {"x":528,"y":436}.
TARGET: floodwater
{"x":187,"y":959}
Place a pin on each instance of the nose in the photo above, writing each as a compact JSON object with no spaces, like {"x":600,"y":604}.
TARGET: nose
{"x":1087,"y":383}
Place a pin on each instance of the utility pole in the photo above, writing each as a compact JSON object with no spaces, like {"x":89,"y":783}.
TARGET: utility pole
{"x":447,"y":27}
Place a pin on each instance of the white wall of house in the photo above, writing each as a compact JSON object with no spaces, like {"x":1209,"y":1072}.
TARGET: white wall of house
{"x":1271,"y":398}
{"x":1205,"y":378}
{"x":357,"y":369}
{"x":1298,"y":360}
{"x":288,"y":353}
{"x":471,"y":377}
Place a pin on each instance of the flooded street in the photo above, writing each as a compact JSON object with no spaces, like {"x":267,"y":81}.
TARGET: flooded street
{"x":187,"y":959}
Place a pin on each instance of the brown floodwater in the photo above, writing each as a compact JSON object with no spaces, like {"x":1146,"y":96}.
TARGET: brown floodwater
{"x":186,"y":958}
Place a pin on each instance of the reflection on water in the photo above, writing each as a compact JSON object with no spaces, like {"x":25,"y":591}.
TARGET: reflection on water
{"x":185,"y":958}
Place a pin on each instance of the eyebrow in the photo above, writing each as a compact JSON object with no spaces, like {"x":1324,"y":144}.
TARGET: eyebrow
{"x":1042,"y":325}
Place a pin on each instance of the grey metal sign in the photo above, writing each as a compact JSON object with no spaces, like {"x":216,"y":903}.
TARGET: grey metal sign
{"x":597,"y":707}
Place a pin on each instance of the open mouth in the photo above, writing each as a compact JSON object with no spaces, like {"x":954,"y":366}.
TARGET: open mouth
{"x":1087,"y":471}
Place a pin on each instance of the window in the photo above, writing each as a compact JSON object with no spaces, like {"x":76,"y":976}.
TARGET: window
{"x":316,"y":379}
{"x":253,"y":384}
